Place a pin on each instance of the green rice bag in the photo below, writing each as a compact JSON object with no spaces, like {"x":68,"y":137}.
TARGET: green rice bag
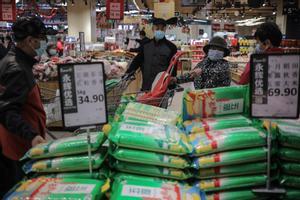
{"x":66,"y":146}
{"x":217,"y":123}
{"x":292,"y":194}
{"x":213,"y":102}
{"x":143,"y":112}
{"x":232,"y":170}
{"x":226,"y":139}
{"x":231,"y":158}
{"x":65,"y":164}
{"x":57,"y":188}
{"x":291,"y":168}
{"x":130,"y":187}
{"x":150,"y":137}
{"x":150,"y":170}
{"x":289,"y":154}
{"x":289,"y":136}
{"x":233,"y":195}
{"x":290,"y":181}
{"x":149,"y":158}
{"x":219,"y":184}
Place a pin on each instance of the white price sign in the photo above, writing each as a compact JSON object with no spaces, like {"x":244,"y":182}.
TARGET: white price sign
{"x":275,"y":85}
{"x":82,"y":91}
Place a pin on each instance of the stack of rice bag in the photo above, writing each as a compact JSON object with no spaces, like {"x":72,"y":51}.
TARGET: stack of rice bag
{"x":68,"y":157}
{"x":289,"y":154}
{"x":140,"y":188}
{"x":58,"y":188}
{"x":147,"y":142}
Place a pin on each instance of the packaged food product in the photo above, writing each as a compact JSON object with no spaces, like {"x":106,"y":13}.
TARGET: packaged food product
{"x":289,"y":136}
{"x":58,"y":188}
{"x":292,"y":194}
{"x":150,"y":170}
{"x":138,"y":111}
{"x":233,"y":195}
{"x":232,"y":170}
{"x":289,"y":154}
{"x":226,"y":139}
{"x":219,"y":184}
{"x":65,"y":164}
{"x":290,"y":181}
{"x":132,"y":187}
{"x":290,"y":168}
{"x":66,"y":146}
{"x":231,"y":158}
{"x":150,"y":158}
{"x":216,"y":123}
{"x":213,"y":102}
{"x":150,"y":137}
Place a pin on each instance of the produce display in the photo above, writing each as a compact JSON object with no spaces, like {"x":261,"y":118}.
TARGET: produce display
{"x":58,"y":188}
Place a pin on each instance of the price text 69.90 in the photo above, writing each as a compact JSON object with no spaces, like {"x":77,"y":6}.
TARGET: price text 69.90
{"x":283,"y":92}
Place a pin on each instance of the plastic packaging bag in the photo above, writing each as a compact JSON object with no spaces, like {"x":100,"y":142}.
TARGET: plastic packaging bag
{"x":226,"y":139}
{"x":289,"y":154}
{"x":150,"y":137}
{"x":219,"y":184}
{"x":149,"y":158}
{"x":133,"y":187}
{"x":150,"y":170}
{"x":289,"y":136}
{"x":291,"y":168}
{"x":292,"y":194}
{"x":143,"y":112}
{"x":66,"y":146}
{"x":217,"y":123}
{"x":233,"y":195}
{"x":231,"y":158}
{"x":56,"y":188}
{"x":213,"y":102}
{"x":65,"y":164}
{"x":232,"y":170}
{"x":290,"y":181}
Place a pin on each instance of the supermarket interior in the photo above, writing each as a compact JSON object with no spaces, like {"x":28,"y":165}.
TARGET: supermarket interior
{"x":149,"y":99}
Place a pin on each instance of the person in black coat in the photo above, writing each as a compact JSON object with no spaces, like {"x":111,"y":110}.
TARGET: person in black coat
{"x":142,"y":41}
{"x":3,"y":50}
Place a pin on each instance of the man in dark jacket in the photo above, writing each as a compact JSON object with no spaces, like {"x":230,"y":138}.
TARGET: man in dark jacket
{"x":155,"y":55}
{"x":143,"y":40}
{"x":22,"y":117}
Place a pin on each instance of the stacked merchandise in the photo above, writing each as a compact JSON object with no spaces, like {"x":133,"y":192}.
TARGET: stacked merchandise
{"x":146,"y":142}
{"x":289,"y":151}
{"x":68,"y":157}
{"x":229,"y":154}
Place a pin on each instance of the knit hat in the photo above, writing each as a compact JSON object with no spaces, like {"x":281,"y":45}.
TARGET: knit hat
{"x":217,"y":42}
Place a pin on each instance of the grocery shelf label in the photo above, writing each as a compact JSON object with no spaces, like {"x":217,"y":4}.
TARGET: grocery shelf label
{"x":142,"y":191}
{"x":82,"y":92}
{"x":274,"y":85}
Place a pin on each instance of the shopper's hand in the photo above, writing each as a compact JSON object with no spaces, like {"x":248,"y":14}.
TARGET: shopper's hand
{"x":196,"y":72}
{"x":37,"y":140}
{"x":173,"y":80}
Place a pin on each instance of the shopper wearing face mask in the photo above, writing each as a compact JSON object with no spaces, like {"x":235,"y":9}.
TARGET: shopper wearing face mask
{"x":268,"y":37}
{"x":211,"y":72}
{"x":155,"y":55}
{"x":22,"y":117}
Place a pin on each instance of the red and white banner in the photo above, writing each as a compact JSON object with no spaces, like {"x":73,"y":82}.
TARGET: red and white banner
{"x":115,"y":9}
{"x":8,"y":10}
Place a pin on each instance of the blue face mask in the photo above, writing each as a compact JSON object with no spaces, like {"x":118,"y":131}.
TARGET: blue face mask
{"x":40,"y":51}
{"x":215,"y":54}
{"x":258,"y":49}
{"x":158,"y":35}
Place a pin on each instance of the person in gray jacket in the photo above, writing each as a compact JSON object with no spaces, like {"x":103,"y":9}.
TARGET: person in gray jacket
{"x":155,"y":55}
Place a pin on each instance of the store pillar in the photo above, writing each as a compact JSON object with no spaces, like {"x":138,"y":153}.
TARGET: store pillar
{"x":82,"y":18}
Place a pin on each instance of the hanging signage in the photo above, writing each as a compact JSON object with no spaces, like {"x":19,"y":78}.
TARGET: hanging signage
{"x":7,"y":10}
{"x":82,"y":92}
{"x":115,"y":9}
{"x":290,"y":7}
{"x":274,"y":85}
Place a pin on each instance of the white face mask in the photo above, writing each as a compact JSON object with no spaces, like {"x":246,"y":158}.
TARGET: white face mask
{"x":215,"y":54}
